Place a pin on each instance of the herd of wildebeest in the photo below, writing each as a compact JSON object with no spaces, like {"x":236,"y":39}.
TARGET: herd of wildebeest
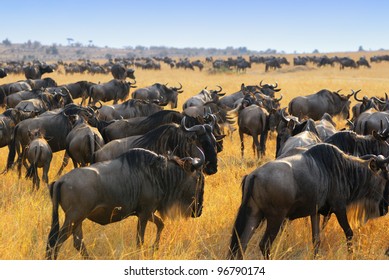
{"x":142,"y":155}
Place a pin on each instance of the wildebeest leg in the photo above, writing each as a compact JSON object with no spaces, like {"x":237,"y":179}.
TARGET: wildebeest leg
{"x":78,"y":242}
{"x":256,"y":147}
{"x":64,"y":163}
{"x":159,"y":223}
{"x":63,"y":235}
{"x":141,"y":228}
{"x":45,"y":172}
{"x":36,"y":180}
{"x":341,"y":215}
{"x":263,"y":140}
{"x":241,"y":142}
{"x":315,"y":225}
{"x":272,"y":228}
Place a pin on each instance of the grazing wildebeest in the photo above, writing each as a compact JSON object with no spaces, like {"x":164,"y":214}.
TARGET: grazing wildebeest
{"x":128,"y":109}
{"x":39,"y":155}
{"x":159,"y":93}
{"x":203,"y":97}
{"x":363,"y":62}
{"x":120,"y":72}
{"x":37,"y":70}
{"x":321,"y":180}
{"x":346,"y":62}
{"x":315,"y":105}
{"x":169,"y":138}
{"x":113,"y":90}
{"x":138,"y":183}
{"x":272,"y":63}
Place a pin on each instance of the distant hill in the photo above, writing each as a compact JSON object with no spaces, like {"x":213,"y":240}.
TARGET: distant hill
{"x":35,"y":50}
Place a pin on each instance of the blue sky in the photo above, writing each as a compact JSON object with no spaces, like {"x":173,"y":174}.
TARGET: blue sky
{"x":290,"y":26}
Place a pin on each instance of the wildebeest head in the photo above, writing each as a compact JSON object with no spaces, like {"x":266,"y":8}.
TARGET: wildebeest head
{"x":191,"y":199}
{"x":207,"y":142}
{"x":169,"y":95}
{"x":343,"y":103}
{"x":130,"y":73}
{"x":269,"y":89}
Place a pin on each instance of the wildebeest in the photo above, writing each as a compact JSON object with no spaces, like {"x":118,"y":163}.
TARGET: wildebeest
{"x":113,"y":90}
{"x":321,"y":180}
{"x":315,"y":105}
{"x":138,"y":183}
{"x":363,"y":62}
{"x":346,"y":62}
{"x":252,"y":120}
{"x":81,"y":143}
{"x":140,"y":125}
{"x":203,"y":97}
{"x":272,"y":63}
{"x":128,"y":109}
{"x":169,"y":138}
{"x":120,"y":72}
{"x":79,"y":89}
{"x":39,"y":155}
{"x":37,"y":70}
{"x":159,"y":93}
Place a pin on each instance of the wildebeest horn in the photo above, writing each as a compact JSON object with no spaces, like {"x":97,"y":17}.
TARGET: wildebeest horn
{"x":179,"y":87}
{"x":279,"y":99}
{"x":283,"y":116}
{"x":260,"y":83}
{"x":275,"y":85}
{"x":198,"y":162}
{"x":220,"y":89}
{"x":378,"y":100}
{"x":355,"y":96}
{"x":194,"y":128}
{"x":338,"y":91}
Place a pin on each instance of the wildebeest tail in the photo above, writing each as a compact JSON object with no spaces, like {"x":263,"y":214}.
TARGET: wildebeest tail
{"x":33,"y":166}
{"x":241,"y":218}
{"x":55,"y":194}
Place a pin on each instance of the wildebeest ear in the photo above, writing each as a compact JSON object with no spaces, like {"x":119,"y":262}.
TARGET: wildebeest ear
{"x":373,"y":165}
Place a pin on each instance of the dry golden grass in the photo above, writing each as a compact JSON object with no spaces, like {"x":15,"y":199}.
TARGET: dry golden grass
{"x":26,"y":215}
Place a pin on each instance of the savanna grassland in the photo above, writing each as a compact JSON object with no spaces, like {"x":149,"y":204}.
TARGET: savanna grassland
{"x":26,"y":215}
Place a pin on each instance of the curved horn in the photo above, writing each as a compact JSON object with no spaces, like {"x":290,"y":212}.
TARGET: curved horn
{"x":338,"y":91}
{"x":179,"y":87}
{"x":220,"y":89}
{"x":378,"y":100}
{"x":283,"y":116}
{"x":368,"y":156}
{"x":260,"y":83}
{"x":355,"y":96}
{"x":194,"y":128}
{"x":279,"y":99}
{"x":198,"y":162}
{"x":275,"y":85}
{"x":353,"y":93}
